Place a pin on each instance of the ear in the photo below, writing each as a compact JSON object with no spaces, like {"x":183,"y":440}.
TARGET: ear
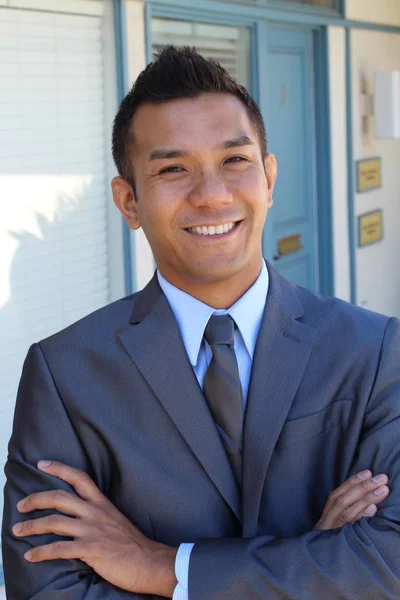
{"x":125,"y":200}
{"x":271,"y":171}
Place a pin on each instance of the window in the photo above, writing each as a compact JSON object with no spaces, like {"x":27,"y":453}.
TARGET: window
{"x":321,"y":3}
{"x":230,"y":46}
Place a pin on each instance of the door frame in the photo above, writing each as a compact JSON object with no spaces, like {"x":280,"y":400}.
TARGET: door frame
{"x":323,"y":225}
{"x":258,"y":27}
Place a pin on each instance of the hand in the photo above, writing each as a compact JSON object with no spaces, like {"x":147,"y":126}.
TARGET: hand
{"x":102,"y":537}
{"x":356,"y":498}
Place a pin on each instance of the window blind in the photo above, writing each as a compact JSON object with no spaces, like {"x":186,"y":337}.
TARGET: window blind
{"x":227,"y":45}
{"x":53,"y":219}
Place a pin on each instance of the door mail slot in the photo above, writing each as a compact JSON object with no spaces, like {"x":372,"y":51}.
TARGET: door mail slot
{"x":289,"y":244}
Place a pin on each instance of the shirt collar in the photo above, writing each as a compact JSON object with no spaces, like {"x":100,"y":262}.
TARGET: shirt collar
{"x":193,"y":315}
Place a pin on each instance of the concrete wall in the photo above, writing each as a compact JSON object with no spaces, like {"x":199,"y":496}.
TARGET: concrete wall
{"x":384,"y":12}
{"x":377,"y":266}
{"x":337,"y":90}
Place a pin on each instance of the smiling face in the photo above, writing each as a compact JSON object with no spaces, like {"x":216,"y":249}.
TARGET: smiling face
{"x":202,"y":190}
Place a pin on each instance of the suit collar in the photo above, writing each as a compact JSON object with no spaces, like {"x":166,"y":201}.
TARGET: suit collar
{"x":283,"y":292}
{"x":153,"y":341}
{"x":282,"y":350}
{"x":192,"y":315}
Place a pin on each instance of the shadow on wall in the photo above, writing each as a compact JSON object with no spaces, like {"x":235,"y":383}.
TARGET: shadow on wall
{"x":54,"y":270}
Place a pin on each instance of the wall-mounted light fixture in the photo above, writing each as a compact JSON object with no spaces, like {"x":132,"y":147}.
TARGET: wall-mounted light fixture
{"x":387,"y":105}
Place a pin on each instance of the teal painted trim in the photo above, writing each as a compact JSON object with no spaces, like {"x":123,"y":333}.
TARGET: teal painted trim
{"x":371,"y":212}
{"x":262,"y":40}
{"x":358,"y":163}
{"x":324,"y":163}
{"x":1,"y":576}
{"x":254,"y":68}
{"x":340,"y":7}
{"x":350,"y":170}
{"x":219,"y":12}
{"x":301,"y":8}
{"x":123,"y":85}
{"x":189,"y":13}
{"x":147,"y":32}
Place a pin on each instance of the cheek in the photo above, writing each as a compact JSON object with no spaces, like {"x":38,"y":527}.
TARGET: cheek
{"x":253,"y":190}
{"x":156,"y":212}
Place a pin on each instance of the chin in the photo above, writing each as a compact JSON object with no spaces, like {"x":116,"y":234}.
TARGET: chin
{"x":213,"y":272}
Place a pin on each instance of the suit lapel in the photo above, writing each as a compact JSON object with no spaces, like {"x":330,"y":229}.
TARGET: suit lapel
{"x":154,"y":343}
{"x":281,"y":355}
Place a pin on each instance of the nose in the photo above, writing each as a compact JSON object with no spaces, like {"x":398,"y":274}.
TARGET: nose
{"x":210,"y":191}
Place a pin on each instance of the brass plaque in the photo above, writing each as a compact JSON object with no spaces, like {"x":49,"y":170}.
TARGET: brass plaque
{"x":369,"y":174}
{"x":290,"y":244}
{"x":370,"y":228}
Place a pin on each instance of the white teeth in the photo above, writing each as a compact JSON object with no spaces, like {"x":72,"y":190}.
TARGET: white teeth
{"x":212,"y":229}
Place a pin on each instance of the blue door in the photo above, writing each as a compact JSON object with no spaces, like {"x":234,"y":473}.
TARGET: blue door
{"x":290,"y":236}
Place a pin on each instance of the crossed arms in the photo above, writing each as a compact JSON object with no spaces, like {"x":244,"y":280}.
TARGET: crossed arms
{"x":353,"y":562}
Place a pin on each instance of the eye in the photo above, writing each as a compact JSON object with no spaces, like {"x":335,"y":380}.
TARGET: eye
{"x":172,"y":169}
{"x":235,"y":159}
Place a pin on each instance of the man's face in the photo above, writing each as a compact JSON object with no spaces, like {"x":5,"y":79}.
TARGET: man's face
{"x":202,"y":187}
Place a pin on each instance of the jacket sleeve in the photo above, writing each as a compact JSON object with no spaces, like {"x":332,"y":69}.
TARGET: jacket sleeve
{"x":356,"y":561}
{"x":43,"y":430}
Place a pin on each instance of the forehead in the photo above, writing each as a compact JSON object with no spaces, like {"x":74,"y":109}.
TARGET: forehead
{"x":204,"y":121}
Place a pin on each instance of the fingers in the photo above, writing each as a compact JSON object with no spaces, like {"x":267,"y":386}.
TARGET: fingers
{"x":352,"y":481}
{"x":66,"y":550}
{"x":56,"y":524}
{"x":79,"y":480}
{"x":351,"y":511}
{"x":354,"y":499}
{"x":55,"y":499}
{"x":370,"y":511}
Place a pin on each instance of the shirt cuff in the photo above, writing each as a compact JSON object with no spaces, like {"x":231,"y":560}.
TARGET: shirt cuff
{"x":182,"y":571}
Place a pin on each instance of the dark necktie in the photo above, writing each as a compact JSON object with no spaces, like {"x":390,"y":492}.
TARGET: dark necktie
{"x":223,"y":390}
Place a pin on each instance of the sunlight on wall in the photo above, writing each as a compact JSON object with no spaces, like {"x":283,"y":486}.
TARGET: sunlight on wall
{"x":25,"y":197}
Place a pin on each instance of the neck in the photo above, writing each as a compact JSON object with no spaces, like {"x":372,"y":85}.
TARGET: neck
{"x":218,"y":294}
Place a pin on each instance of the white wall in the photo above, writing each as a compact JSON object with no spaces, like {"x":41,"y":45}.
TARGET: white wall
{"x":81,"y":7}
{"x":337,"y":93}
{"x":377,"y":266}
{"x":136,"y":54}
{"x":386,"y":12}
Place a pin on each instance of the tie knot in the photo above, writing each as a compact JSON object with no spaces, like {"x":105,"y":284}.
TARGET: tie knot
{"x":220,"y":330}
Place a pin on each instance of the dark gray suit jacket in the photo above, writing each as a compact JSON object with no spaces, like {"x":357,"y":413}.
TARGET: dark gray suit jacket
{"x":115,"y":395}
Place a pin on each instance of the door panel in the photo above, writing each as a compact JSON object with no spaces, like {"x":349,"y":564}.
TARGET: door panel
{"x":290,"y":236}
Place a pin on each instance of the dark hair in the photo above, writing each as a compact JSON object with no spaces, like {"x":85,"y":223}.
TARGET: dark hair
{"x":176,"y":73}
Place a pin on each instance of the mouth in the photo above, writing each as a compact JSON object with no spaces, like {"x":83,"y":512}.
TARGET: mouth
{"x":214,"y":231}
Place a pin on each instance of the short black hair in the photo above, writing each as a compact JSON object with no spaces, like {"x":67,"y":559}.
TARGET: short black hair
{"x":176,"y":73}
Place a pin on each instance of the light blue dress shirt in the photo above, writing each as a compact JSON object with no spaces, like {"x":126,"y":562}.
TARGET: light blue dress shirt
{"x":192,"y":316}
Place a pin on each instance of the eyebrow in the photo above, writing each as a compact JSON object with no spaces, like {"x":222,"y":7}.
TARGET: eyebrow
{"x":242,"y":140}
{"x":161,"y":153}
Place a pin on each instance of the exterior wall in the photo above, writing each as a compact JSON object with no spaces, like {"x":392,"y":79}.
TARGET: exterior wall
{"x":377,"y":266}
{"x":337,"y":97}
{"x":82,"y":7}
{"x":384,"y":12}
{"x":44,"y":201}
{"x":136,"y":57}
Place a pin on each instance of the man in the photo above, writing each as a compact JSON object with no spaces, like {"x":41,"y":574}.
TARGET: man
{"x":216,"y":410}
